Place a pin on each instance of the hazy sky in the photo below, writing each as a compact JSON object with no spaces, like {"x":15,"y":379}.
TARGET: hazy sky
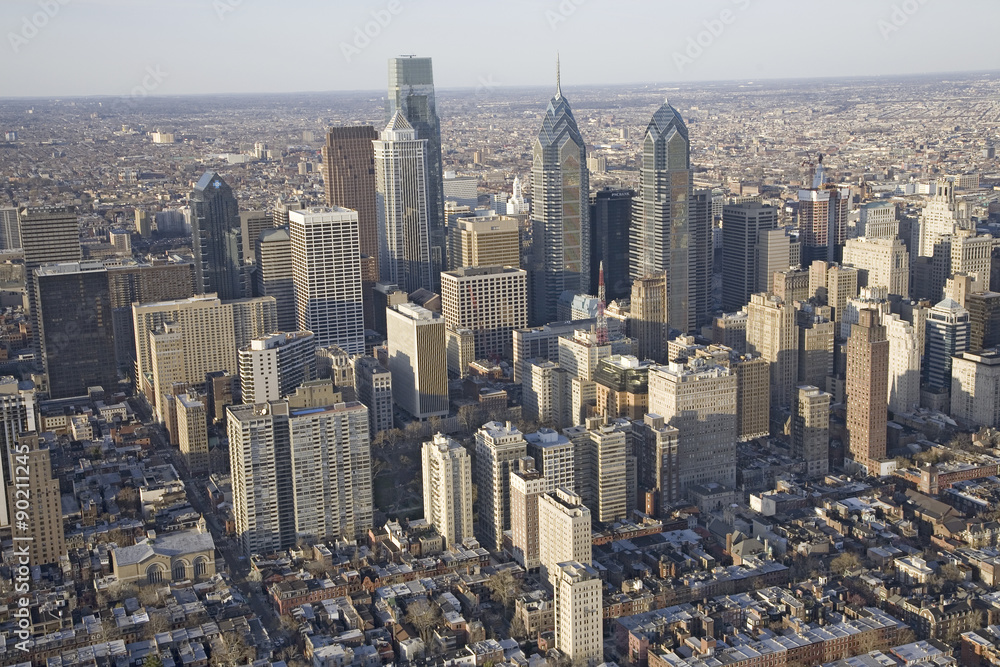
{"x":172,"y":47}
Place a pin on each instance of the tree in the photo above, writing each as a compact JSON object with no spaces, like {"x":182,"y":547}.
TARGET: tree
{"x":157,"y":623}
{"x":517,"y":629}
{"x":148,"y":596}
{"x":844,"y":562}
{"x":413,"y":432}
{"x":238,"y":650}
{"x":388,"y":438}
{"x":504,"y":588}
{"x":152,"y":660}
{"x":424,"y":616}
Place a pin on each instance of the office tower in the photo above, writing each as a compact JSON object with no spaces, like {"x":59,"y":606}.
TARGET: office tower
{"x":878,"y":220}
{"x":489,"y":241}
{"x":10,"y":229}
{"x":655,"y":447}
{"x":349,"y":177}
{"x":876,"y":298}
{"x":447,"y":483}
{"x":143,"y":283}
{"x":553,"y":456}
{"x":822,"y":216}
{"x":791,"y":285}
{"x":411,"y":92}
{"x":540,"y":343}
{"x":42,"y":526}
{"x":546,"y":393}
{"x":192,"y":433}
{"x":275,"y":276}
{"x":975,"y":389}
{"x":972,"y":255}
{"x":491,"y":301}
{"x":560,"y":210}
{"x":904,"y":364}
{"x":702,"y":259}
{"x":564,"y":531}
{"x":881,"y":262}
{"x":121,"y":241}
{"x":811,"y":430}
{"x":698,"y":398}
{"x":579,"y":625}
{"x":282,"y":207}
{"x":385,"y":295}
{"x":730,"y":329}
{"x":517,"y":205}
{"x":608,"y":479}
{"x":771,"y":333}
{"x":984,"y":319}
{"x":402,"y":198}
{"x":753,"y":396}
{"x":942,"y":216}
{"x":373,"y":387}
{"x":498,"y":446}
{"x":418,"y":360}
{"x":49,"y":234}
{"x":222,"y":389}
{"x":252,"y":225}
{"x":461,"y":344}
{"x":947,"y":330}
{"x":622,"y":387}
{"x":866,"y":386}
{"x":816,"y":343}
{"x":206,"y":335}
{"x":741,"y":224}
{"x":217,"y":238}
{"x":610,"y":239}
{"x":832,"y":285}
{"x":326,"y":272}
{"x":143,"y":223}
{"x":526,"y":486}
{"x":772,"y":254}
{"x":75,"y":328}
{"x":273,"y":366}
{"x":580,"y":353}
{"x":648,"y":316}
{"x":18,"y":411}
{"x":662,"y":241}
{"x":463,"y":190}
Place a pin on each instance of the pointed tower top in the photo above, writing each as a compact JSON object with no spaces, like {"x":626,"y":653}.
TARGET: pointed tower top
{"x":558,"y":78}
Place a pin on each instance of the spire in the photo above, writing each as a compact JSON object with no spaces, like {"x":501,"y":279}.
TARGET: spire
{"x":558,"y":77}
{"x":602,"y":319}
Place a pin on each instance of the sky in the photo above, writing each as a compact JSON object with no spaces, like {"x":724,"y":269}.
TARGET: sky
{"x":60,"y":48}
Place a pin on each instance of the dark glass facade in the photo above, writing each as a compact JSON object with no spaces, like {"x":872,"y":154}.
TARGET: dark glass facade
{"x":610,"y":224}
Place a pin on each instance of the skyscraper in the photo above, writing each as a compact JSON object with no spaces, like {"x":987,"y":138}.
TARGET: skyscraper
{"x":273,"y":366}
{"x":275,"y":276}
{"x":43,"y":527}
{"x":823,"y":219}
{"x":866,"y":387}
{"x":411,"y":92}
{"x":491,"y":301}
{"x":10,"y":229}
{"x":947,"y":336}
{"x":487,"y":241}
{"x":192,"y":433}
{"x":447,"y":484}
{"x":75,"y":328}
{"x":578,"y":622}
{"x":18,"y":411}
{"x":610,"y":231}
{"x":811,"y":430}
{"x":498,"y":447}
{"x":349,"y":161}
{"x":373,"y":387}
{"x":560,"y":209}
{"x":662,"y":237}
{"x":326,"y":272}
{"x":217,"y":238}
{"x":526,"y":485}
{"x":648,"y":316}
{"x":418,"y":360}
{"x":403,"y":207}
{"x":881,"y":262}
{"x":771,"y":333}
{"x":741,"y":224}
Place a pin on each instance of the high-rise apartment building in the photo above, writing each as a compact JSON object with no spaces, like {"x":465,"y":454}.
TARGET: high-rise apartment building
{"x":491,"y":301}
{"x":610,"y":240}
{"x":275,"y":276}
{"x":411,"y":92}
{"x":656,"y":450}
{"x":560,"y":210}
{"x":498,"y":447}
{"x":811,"y":430}
{"x":866,"y":387}
{"x":564,"y":531}
{"x":553,"y":456}
{"x":76,"y":331}
{"x":42,"y":526}
{"x":402,"y":198}
{"x":192,"y":433}
{"x":418,"y":360}
{"x":326,"y":272}
{"x":18,"y":413}
{"x":608,"y":450}
{"x":772,"y":334}
{"x":662,"y":236}
{"x":273,"y":366}
{"x":10,"y":229}
{"x":217,"y":239}
{"x":741,"y":224}
{"x":373,"y":387}
{"x":488,"y":241}
{"x":579,"y":624}
{"x":881,"y":262}
{"x":447,"y":484}
{"x":904,"y":364}
{"x":526,"y":486}
{"x":546,"y":393}
{"x":349,"y":177}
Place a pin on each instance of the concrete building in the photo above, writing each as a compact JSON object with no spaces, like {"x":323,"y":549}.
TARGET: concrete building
{"x":498,"y":447}
{"x":975,"y":388}
{"x":547,"y":394}
{"x":564,"y":532}
{"x":541,"y":343}
{"x":772,"y":334}
{"x":984,"y":319}
{"x":942,"y":216}
{"x":656,"y":450}
{"x":18,"y":414}
{"x":730,"y":329}
{"x":447,"y":485}
{"x":822,"y":220}
{"x":878,"y":220}
{"x":947,"y":330}
{"x":349,"y":179}
{"x":373,"y":387}
{"x":273,"y":366}
{"x":904,"y":364}
{"x":526,"y":485}
{"x":774,"y":252}
{"x":866,"y":388}
{"x":832,"y":285}
{"x":816,"y":343}
{"x":881,"y":262}
{"x":811,"y":430}
{"x":192,"y":430}
{"x":42,"y":527}
{"x":622,"y":387}
{"x":491,"y":301}
{"x":698,"y":398}
{"x":647,"y":316}
{"x":553,"y":454}
{"x":10,"y":228}
{"x":608,"y":452}
{"x":741,"y":224}
{"x":488,"y":241}
{"x":418,"y":360}
{"x":461,"y":346}
{"x":753,"y":395}
{"x":579,"y":623}
{"x":326,"y":271}
{"x":252,"y":225}
{"x":275,"y":276}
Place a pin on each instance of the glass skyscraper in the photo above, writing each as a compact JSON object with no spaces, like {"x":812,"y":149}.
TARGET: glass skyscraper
{"x":217,"y":238}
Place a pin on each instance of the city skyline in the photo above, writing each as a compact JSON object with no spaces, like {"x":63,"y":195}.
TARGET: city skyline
{"x":717,"y":42}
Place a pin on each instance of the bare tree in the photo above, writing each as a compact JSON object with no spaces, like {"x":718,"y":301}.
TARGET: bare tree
{"x":504,"y":588}
{"x":424,"y":616}
{"x":844,"y":562}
